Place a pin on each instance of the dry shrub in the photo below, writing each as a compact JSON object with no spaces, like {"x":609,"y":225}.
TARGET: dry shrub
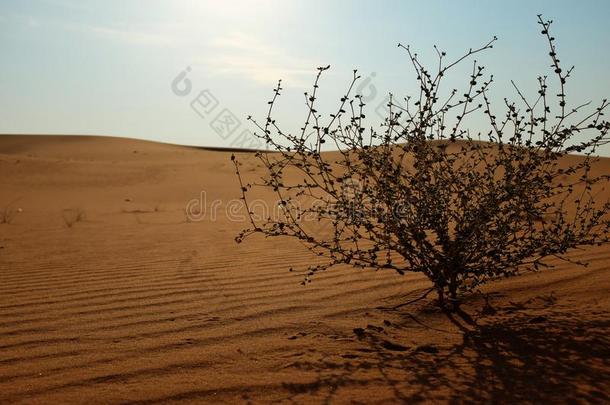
{"x":426,"y":195}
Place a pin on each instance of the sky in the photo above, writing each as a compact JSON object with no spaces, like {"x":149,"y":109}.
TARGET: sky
{"x":190,"y":72}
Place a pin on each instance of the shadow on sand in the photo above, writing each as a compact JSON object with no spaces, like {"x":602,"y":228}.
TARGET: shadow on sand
{"x":513,"y":356}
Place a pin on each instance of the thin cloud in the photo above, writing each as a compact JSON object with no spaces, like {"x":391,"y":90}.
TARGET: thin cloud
{"x":131,"y":36}
{"x":152,"y":36}
{"x":145,"y":35}
{"x":248,"y":57}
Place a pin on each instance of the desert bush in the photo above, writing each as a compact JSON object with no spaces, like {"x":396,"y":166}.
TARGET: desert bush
{"x":73,"y":215}
{"x":425,"y":194}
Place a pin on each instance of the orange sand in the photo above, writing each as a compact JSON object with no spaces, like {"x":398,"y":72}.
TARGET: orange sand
{"x":136,"y":305}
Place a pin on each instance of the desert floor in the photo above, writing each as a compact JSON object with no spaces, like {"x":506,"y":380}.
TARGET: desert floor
{"x":109,"y":294}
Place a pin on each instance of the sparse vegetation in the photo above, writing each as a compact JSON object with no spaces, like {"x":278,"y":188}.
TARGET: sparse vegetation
{"x":428,"y":195}
{"x":72,"y":216}
{"x":7,"y":214}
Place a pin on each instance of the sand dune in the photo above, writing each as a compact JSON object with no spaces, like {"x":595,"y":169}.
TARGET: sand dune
{"x":136,"y":303}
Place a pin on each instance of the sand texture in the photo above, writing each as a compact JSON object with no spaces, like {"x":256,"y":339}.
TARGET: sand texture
{"x":110,"y":294}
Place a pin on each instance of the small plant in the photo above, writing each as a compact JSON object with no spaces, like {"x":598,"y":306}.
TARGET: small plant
{"x":7,"y":214}
{"x":73,"y":215}
{"x":427,"y":195}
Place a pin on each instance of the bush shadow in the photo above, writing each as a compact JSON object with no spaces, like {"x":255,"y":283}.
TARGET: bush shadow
{"x":516,"y":355}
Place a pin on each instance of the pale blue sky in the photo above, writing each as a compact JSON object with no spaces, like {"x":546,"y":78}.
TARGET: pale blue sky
{"x":106,"y":67}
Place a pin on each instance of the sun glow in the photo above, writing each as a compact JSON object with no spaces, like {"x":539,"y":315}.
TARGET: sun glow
{"x":232,"y":10}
